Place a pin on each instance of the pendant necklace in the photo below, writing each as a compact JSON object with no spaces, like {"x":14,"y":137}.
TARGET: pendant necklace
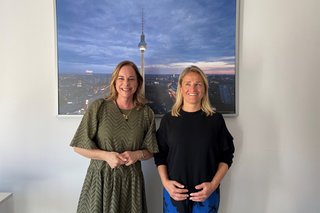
{"x":125,"y":116}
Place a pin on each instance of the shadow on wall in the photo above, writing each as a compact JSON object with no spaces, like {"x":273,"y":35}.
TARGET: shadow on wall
{"x":6,"y":202}
{"x":229,"y":180}
{"x":246,"y":188}
{"x":153,"y":186}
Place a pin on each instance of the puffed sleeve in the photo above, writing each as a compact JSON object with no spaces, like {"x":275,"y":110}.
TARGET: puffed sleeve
{"x":150,"y":141}
{"x":84,"y":136}
{"x":226,"y":144}
{"x":161,"y":157}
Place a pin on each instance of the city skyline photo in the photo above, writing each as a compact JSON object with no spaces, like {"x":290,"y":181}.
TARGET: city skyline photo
{"x":93,"y":37}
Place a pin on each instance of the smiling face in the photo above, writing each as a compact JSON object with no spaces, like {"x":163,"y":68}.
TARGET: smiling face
{"x":192,"y":91}
{"x":126,"y":82}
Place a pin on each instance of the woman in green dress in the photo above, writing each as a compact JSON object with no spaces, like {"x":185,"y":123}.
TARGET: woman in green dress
{"x":116,"y":133}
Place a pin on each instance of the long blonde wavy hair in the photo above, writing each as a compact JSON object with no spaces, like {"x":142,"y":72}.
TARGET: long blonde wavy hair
{"x":205,"y":102}
{"x":138,"y":97}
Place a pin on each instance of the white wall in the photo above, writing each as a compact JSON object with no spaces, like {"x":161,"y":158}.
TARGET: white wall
{"x":276,"y":133}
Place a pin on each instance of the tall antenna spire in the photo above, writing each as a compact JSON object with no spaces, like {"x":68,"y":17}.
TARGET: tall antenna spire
{"x":142,"y":21}
{"x":142,"y":46}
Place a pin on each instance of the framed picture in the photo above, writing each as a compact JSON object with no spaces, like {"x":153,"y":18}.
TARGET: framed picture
{"x":161,"y":37}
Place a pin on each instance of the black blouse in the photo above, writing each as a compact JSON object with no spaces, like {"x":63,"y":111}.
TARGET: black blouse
{"x":192,"y":145}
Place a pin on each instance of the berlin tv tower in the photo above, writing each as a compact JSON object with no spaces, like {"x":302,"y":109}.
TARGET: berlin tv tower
{"x":142,"y":46}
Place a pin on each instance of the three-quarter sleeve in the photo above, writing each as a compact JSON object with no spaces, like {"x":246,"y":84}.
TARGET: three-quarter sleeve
{"x":160,"y":158}
{"x":150,"y":141}
{"x":226,"y":144}
{"x":85,"y":134}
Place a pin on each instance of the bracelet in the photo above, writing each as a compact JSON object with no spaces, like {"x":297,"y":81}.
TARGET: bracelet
{"x":142,"y":155}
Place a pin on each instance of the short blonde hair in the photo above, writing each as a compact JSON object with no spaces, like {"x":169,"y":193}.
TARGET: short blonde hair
{"x":205,"y":102}
{"x":138,"y":97}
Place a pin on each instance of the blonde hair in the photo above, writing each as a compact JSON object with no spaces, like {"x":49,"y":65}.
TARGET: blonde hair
{"x":138,"y":98}
{"x":205,"y":102}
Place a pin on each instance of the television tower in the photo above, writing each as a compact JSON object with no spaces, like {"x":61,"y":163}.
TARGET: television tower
{"x":142,"y":46}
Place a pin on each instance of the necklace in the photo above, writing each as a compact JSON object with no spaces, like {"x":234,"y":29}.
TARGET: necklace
{"x":125,"y":116}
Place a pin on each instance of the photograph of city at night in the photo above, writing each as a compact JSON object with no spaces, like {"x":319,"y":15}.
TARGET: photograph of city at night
{"x":161,"y":37}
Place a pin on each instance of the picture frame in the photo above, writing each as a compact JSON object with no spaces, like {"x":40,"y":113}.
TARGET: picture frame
{"x":161,"y":37}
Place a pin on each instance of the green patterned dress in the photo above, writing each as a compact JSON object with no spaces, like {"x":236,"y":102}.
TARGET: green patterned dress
{"x":121,"y":189}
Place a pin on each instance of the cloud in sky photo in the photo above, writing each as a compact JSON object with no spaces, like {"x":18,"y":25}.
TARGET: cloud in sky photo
{"x":97,"y":35}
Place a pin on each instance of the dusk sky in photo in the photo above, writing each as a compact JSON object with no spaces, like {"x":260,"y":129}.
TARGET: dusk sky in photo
{"x":97,"y":35}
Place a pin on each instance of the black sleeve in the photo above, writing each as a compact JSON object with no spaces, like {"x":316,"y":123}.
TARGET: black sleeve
{"x":226,"y":144}
{"x":160,"y":158}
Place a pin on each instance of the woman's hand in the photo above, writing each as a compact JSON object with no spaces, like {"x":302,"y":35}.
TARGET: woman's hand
{"x":130,"y":157}
{"x":176,"y":190}
{"x":206,"y":189}
{"x":114,"y":159}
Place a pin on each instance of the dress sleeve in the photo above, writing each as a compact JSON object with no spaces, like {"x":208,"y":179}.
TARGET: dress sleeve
{"x":85,"y":134}
{"x":161,"y":157}
{"x":226,"y":144}
{"x":150,"y":141}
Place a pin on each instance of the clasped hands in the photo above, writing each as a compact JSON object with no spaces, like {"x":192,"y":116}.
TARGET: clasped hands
{"x":178,"y":192}
{"x":115,"y":159}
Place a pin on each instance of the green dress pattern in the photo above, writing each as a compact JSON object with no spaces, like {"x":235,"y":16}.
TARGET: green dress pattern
{"x":121,"y":189}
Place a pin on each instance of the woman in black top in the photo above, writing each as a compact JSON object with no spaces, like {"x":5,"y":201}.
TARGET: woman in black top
{"x":196,"y":148}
